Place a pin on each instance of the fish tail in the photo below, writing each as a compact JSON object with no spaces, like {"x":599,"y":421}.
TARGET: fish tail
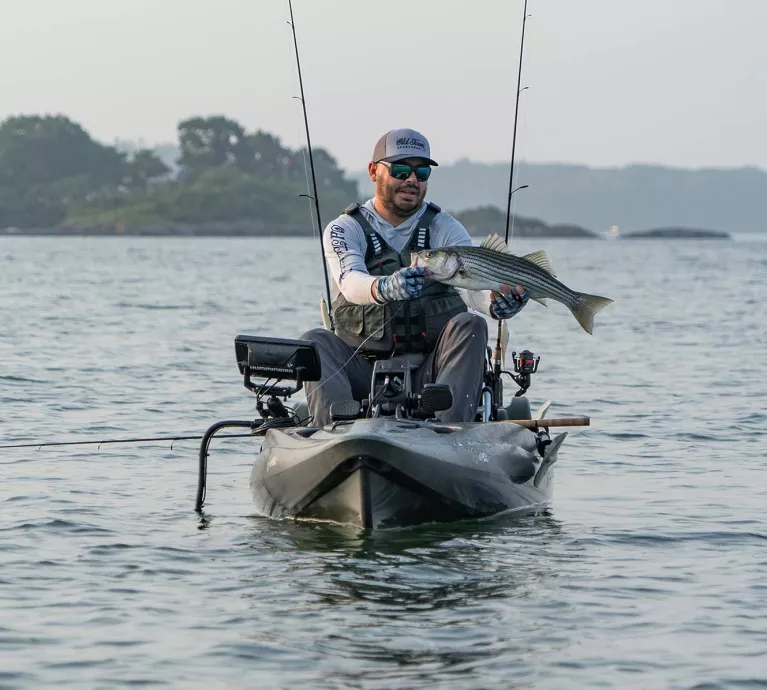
{"x":585,"y":312}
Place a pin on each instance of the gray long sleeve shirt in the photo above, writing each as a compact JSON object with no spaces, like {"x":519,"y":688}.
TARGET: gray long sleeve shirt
{"x":345,"y":244}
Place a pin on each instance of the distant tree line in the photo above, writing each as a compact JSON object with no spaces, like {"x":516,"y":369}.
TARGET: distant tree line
{"x":52,"y":172}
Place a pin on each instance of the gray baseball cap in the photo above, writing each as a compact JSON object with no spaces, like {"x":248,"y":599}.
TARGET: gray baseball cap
{"x":398,"y":144}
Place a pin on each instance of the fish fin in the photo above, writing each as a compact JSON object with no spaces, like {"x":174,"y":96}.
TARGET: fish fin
{"x":541,"y":300}
{"x":478,"y":300}
{"x":496,"y":244}
{"x":584,"y":314}
{"x":541,"y":260}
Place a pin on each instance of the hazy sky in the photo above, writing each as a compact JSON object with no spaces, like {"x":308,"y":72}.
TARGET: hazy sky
{"x":678,"y":82}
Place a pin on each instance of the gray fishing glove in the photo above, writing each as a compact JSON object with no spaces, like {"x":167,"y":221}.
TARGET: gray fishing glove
{"x":505,"y":306}
{"x":405,"y":284}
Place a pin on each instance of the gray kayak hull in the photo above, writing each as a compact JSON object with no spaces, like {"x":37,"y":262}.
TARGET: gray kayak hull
{"x":382,"y":473}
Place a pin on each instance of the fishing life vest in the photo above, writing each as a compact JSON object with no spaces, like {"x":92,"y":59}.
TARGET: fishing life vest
{"x":396,"y":327}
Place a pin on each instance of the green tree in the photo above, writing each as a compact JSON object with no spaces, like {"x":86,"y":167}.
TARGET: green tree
{"x":144,"y":167}
{"x":44,"y":149}
{"x":48,"y":162}
{"x":268,"y":159}
{"x":51,"y":170}
{"x":209,"y":142}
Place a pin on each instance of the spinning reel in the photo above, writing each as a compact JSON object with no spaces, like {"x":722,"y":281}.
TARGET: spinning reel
{"x":525,"y":365}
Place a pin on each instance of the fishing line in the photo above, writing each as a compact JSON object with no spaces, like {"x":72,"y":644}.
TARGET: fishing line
{"x":297,"y":124}
{"x":315,"y":198}
{"x":344,"y":365}
{"x":315,"y":194}
{"x":498,"y":353}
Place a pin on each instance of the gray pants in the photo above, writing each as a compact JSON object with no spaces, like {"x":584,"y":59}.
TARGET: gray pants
{"x":458,"y":360}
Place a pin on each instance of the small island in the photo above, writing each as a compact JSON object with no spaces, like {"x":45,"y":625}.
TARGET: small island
{"x":487,"y":220}
{"x":677,"y":234}
{"x":55,"y":179}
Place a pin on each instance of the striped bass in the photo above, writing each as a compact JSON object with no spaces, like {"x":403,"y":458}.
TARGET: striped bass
{"x":492,"y":265}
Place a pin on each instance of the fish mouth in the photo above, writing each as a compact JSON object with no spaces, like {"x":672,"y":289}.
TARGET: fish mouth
{"x":416,"y":262}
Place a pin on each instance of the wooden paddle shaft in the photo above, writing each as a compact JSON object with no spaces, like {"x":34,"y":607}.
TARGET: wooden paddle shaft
{"x":564,"y":421}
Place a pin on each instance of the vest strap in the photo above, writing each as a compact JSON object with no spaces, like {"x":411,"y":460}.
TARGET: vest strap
{"x":421,"y":239}
{"x":375,"y":247}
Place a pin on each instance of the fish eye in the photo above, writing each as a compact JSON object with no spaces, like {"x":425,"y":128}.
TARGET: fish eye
{"x":428,"y":254}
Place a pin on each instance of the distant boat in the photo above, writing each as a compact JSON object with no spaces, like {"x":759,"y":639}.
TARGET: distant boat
{"x":613,"y":232}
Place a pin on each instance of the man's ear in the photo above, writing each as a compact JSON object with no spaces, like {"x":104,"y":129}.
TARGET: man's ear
{"x":372,"y":171}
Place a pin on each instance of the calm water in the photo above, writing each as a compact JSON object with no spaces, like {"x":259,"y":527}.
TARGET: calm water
{"x":649,"y":573}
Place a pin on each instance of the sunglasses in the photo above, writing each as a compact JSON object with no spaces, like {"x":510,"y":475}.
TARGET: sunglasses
{"x":401,"y":171}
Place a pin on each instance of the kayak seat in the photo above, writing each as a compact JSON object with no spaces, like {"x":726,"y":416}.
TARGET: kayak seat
{"x":518,"y":408}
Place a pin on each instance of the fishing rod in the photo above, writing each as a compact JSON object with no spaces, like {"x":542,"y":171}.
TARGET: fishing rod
{"x":315,"y":198}
{"x":173,"y":439}
{"x":516,"y":120}
{"x":497,"y":355}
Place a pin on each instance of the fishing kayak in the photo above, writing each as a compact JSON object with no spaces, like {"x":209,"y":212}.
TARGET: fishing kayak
{"x":387,"y":461}
{"x":386,"y":472}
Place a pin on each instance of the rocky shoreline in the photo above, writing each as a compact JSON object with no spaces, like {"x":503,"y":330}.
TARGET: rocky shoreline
{"x":250,"y":228}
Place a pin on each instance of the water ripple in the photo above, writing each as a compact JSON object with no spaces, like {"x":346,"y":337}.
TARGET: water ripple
{"x":648,"y":574}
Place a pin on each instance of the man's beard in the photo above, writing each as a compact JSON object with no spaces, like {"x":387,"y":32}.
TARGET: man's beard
{"x":386,"y":192}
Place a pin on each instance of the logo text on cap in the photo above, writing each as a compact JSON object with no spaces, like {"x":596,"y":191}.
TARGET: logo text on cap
{"x":410,"y":143}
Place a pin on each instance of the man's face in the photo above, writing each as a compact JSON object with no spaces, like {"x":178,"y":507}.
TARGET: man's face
{"x":400,"y":197}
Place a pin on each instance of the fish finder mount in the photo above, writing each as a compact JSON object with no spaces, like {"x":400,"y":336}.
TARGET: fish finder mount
{"x":271,"y":361}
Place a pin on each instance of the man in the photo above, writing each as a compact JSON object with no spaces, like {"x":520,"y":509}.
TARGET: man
{"x":382,"y":306}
